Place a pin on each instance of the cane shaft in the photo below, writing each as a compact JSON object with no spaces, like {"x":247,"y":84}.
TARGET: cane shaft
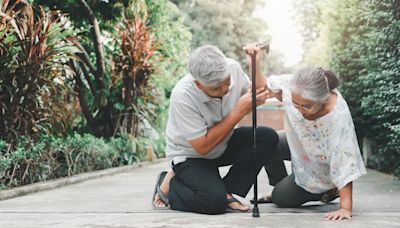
{"x":254,"y":112}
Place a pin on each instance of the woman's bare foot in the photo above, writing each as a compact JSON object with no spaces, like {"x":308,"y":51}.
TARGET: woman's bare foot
{"x":164,"y":188}
{"x":237,"y":205}
{"x":266,"y":198}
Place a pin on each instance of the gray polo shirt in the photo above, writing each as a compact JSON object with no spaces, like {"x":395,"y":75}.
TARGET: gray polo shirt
{"x":192,"y":113}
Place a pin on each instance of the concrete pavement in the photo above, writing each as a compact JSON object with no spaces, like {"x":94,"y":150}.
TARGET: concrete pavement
{"x":124,"y":200}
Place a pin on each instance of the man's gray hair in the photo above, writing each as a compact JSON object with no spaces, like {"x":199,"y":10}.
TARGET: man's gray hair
{"x":207,"y":64}
{"x":313,"y":84}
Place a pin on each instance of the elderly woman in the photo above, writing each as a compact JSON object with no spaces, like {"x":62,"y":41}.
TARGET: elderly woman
{"x":319,"y":139}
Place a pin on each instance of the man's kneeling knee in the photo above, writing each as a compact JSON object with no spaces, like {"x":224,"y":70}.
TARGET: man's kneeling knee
{"x":215,"y":204}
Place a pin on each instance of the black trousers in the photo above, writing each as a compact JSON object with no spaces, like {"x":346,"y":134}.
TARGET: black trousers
{"x":275,"y":167}
{"x":197,"y":185}
{"x":286,"y":192}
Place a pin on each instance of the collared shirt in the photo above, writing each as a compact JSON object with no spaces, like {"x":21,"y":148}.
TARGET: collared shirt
{"x":192,"y":112}
{"x":324,"y":152}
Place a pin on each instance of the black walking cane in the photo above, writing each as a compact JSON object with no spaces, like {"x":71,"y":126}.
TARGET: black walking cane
{"x":263,"y":46}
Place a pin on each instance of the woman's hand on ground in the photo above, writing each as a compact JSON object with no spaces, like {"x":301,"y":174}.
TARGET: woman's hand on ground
{"x":338,"y":215}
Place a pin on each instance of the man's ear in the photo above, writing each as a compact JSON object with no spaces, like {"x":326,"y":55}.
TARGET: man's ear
{"x":198,"y":84}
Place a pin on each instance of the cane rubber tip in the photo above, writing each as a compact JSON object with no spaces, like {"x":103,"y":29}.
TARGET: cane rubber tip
{"x":256,"y":213}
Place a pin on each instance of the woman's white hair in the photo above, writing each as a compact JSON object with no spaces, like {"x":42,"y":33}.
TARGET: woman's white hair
{"x":207,"y":64}
{"x":313,"y":84}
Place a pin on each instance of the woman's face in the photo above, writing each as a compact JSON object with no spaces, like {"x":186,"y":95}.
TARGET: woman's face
{"x":305,"y":107}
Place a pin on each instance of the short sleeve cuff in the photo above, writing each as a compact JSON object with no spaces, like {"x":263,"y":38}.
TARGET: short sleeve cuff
{"x":196,"y":135}
{"x":350,"y":179}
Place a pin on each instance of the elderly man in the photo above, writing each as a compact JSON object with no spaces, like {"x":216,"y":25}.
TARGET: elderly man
{"x":205,"y":107}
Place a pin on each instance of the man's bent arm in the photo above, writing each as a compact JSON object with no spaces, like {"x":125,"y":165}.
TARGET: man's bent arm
{"x":216,"y":133}
{"x":203,"y":145}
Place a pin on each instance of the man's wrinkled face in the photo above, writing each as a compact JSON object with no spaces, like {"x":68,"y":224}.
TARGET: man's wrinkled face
{"x":218,"y":90}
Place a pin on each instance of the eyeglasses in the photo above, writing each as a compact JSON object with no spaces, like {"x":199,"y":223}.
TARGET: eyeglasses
{"x":306,"y":108}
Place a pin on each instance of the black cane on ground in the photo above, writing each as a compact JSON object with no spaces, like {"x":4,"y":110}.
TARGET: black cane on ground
{"x":263,"y":46}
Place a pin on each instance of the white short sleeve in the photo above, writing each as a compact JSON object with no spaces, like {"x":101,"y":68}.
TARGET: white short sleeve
{"x":188,"y":120}
{"x":239,"y":76}
{"x":346,"y":163}
{"x":279,"y":82}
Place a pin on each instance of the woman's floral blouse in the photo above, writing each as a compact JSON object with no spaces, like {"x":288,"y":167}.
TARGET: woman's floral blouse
{"x":324,"y":152}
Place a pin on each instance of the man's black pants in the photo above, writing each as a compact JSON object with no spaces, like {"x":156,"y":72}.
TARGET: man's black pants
{"x":197,"y":185}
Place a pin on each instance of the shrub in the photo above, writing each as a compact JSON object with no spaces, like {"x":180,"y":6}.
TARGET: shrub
{"x":368,"y":63}
{"x":34,"y":49}
{"x":48,"y":158}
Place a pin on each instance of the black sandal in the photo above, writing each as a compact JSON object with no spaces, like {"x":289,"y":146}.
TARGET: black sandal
{"x":157,"y":190}
{"x":330,"y":195}
{"x":234,"y":200}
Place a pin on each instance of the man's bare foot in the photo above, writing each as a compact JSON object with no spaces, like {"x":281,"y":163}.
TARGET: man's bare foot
{"x":237,"y":205}
{"x":164,"y":188}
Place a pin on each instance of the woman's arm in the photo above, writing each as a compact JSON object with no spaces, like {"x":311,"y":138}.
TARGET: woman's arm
{"x":346,"y":204}
{"x":346,"y":197}
{"x":261,"y":80}
{"x":251,"y":49}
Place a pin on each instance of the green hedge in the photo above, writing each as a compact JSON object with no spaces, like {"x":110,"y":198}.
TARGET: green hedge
{"x":366,"y":54}
{"x":48,"y":158}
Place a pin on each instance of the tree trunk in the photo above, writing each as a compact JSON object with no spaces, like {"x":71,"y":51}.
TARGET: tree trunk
{"x":99,"y":74}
